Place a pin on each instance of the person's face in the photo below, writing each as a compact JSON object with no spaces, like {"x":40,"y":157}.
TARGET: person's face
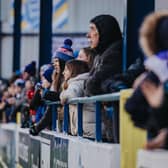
{"x":82,"y":56}
{"x":56,"y":64}
{"x":93,"y":36}
{"x":66,"y":73}
{"x":25,"y":75}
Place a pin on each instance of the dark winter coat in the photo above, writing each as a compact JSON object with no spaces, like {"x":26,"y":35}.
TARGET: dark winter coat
{"x":39,"y":101}
{"x":106,"y":64}
{"x":123,"y":80}
{"x":36,"y":101}
{"x":46,"y":119}
{"x":142,"y":115}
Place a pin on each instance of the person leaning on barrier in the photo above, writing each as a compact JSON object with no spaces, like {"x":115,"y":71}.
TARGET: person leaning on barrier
{"x":59,"y":59}
{"x":37,"y":104}
{"x":148,"y":105}
{"x":106,"y":39}
{"x":75,"y":73}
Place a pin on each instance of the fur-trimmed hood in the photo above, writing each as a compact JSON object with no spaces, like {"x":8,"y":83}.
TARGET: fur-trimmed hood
{"x":147,"y":38}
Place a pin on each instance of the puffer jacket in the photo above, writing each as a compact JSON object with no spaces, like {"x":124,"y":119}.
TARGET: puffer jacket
{"x":76,"y":89}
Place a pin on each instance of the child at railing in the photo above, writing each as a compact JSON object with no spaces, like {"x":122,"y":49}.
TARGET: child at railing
{"x":59,"y":58}
{"x":37,"y":107}
{"x":75,"y":73}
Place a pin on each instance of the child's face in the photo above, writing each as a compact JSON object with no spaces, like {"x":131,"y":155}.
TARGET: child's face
{"x":66,"y":73}
{"x":82,"y":56}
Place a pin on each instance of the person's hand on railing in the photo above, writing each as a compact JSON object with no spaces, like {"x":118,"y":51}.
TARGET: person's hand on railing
{"x":33,"y":130}
{"x":63,"y":101}
{"x":51,"y":96}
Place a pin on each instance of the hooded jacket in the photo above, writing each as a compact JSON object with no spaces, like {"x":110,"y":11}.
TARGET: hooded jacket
{"x":123,"y":80}
{"x":107,"y":64}
{"x":108,"y":60}
{"x":75,"y":89}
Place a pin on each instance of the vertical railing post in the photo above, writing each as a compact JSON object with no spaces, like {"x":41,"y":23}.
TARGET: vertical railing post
{"x":0,"y":37}
{"x":45,"y":36}
{"x":80,"y":119}
{"x":17,"y":34}
{"x":98,"y":122}
{"x":54,"y":116}
{"x":66,"y":114}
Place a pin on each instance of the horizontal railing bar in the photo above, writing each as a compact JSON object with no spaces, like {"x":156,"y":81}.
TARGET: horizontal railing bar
{"x":92,"y":99}
{"x":47,"y":102}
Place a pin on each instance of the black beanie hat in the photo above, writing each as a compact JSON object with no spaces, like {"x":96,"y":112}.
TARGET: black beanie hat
{"x":109,"y":31}
{"x":161,"y":34}
{"x":31,"y":68}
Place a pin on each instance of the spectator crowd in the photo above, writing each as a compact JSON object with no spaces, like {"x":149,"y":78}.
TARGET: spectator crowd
{"x":97,"y":70}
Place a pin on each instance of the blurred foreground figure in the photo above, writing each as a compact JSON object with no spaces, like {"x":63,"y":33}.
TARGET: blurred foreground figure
{"x":148,"y":106}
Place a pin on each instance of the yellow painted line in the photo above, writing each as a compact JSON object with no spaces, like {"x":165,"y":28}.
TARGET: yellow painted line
{"x":61,"y":10}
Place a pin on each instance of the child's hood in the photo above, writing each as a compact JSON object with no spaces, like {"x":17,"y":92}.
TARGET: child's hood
{"x":79,"y":77}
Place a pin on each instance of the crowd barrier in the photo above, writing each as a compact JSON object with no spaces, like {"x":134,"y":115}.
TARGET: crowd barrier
{"x":152,"y":159}
{"x":97,"y":100}
{"x":53,"y":149}
{"x":131,"y":137}
{"x":8,"y":145}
